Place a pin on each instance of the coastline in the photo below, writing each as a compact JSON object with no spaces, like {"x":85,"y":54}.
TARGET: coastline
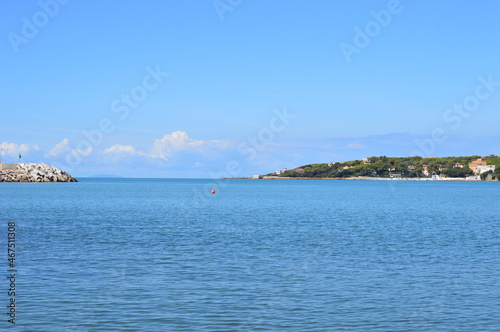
{"x":358,"y":178}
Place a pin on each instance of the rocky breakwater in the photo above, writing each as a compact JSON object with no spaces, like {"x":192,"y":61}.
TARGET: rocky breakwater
{"x":31,"y":172}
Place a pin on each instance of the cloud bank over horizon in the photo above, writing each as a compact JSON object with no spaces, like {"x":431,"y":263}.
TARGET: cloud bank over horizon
{"x":178,"y":155}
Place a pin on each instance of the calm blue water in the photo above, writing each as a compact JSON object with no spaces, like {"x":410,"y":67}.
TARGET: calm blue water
{"x":160,"y":255}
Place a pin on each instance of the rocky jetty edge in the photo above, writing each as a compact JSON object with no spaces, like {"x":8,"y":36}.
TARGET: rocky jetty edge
{"x":32,"y":172}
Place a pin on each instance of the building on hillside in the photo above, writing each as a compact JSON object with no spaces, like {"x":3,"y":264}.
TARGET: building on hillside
{"x":366,"y":161}
{"x":484,"y":168}
{"x":299,"y":170}
{"x":411,"y":168}
{"x":479,"y":162}
{"x":458,"y":165}
{"x":425,"y":170}
{"x":280,"y":172}
{"x":395,"y":175}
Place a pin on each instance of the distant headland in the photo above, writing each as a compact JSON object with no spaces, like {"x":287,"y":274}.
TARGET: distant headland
{"x":31,"y":172}
{"x":400,"y":168}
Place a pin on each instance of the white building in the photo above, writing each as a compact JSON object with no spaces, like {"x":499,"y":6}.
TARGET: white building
{"x":484,"y":168}
{"x":395,"y":175}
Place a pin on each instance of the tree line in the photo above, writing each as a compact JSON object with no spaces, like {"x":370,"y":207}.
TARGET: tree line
{"x":406,"y":167}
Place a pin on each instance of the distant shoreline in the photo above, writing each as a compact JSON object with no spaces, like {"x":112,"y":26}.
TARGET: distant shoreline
{"x":359,"y":178}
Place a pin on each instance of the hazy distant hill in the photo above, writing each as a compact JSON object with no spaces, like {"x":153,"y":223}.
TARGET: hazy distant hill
{"x":107,"y":176}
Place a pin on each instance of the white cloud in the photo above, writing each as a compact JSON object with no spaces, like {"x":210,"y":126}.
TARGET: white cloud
{"x":176,"y":149}
{"x":163,"y":148}
{"x":355,"y":146}
{"x":13,"y":150}
{"x":180,"y":141}
{"x":59,"y":149}
{"x":64,"y":148}
{"x":120,"y":152}
{"x":121,"y":149}
{"x":177,"y":141}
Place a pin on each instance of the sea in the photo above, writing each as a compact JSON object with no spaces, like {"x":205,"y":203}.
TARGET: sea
{"x":258,"y":255}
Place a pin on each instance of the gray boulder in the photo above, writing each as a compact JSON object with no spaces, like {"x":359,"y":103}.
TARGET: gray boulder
{"x":32,"y":172}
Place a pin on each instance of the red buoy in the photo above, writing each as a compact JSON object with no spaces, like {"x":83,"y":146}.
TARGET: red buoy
{"x":213,"y":191}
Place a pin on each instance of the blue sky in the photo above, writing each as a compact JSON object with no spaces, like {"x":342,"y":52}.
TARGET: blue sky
{"x":197,"y":88}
